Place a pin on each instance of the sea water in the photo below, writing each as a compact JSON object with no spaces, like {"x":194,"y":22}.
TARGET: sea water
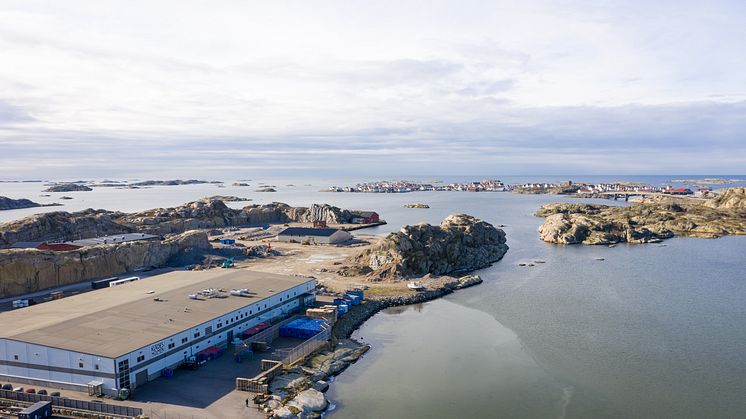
{"x":652,"y":331}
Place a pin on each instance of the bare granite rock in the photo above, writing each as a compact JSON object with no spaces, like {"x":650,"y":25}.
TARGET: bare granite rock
{"x":460,"y":243}
{"x":28,"y":270}
{"x":62,"y":226}
{"x":647,"y":222}
{"x":732,"y":199}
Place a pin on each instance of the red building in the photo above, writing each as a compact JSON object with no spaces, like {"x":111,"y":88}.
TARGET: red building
{"x":679,"y":191}
{"x":58,"y":247}
{"x":366,"y":217}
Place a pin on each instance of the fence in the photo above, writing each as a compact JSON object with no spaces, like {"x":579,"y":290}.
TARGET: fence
{"x":260,"y":383}
{"x":290,"y":356}
{"x":73,"y":404}
{"x":266,"y":336}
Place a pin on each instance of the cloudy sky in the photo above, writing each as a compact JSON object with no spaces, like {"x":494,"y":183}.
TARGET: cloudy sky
{"x":190,"y":88}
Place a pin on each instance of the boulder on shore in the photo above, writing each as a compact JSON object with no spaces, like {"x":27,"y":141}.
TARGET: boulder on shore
{"x":460,"y":243}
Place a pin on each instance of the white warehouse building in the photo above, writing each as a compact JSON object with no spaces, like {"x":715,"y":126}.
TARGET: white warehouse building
{"x":125,"y":336}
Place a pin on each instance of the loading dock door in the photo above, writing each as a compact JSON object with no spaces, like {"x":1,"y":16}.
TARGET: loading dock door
{"x":141,"y":378}
{"x":230,"y":337}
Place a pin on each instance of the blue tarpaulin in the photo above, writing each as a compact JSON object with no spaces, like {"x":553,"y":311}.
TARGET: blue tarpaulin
{"x":302,"y":328}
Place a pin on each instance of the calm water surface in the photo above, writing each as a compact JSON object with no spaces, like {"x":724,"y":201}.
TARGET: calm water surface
{"x":650,"y":332}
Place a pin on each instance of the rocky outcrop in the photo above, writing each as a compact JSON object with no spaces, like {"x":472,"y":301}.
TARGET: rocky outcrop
{"x":68,"y":187}
{"x":729,"y":199}
{"x":647,"y":222}
{"x":226,"y":198}
{"x":62,"y":226}
{"x":203,"y":214}
{"x":416,"y":206}
{"x":460,"y":243}
{"x":266,"y":190}
{"x":323,"y":212}
{"x":10,"y":204}
{"x":28,"y":270}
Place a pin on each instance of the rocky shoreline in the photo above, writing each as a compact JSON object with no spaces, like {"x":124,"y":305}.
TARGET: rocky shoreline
{"x":299,"y":391}
{"x":648,"y":222}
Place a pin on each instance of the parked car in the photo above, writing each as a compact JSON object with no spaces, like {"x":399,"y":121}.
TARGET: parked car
{"x":55,"y":394}
{"x":30,"y":390}
{"x":42,"y":392}
{"x":7,"y":387}
{"x":18,"y":389}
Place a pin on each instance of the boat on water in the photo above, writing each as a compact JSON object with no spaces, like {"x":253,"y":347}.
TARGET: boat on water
{"x":415,"y":285}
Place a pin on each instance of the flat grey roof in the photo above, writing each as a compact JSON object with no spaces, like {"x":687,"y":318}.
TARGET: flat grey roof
{"x":117,"y":238}
{"x":115,"y":321}
{"x":307,"y":231}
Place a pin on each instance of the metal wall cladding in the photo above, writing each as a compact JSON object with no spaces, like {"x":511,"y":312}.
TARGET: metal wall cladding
{"x":303,"y":328}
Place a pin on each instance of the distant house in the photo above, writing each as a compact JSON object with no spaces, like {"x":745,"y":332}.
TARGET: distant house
{"x":679,"y":191}
{"x":316,"y":235}
{"x":365,"y":217}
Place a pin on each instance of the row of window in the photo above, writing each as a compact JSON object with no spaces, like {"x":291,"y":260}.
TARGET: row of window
{"x":208,"y":329}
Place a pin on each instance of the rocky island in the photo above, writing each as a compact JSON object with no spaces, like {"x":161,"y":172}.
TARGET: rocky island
{"x":416,"y":206}
{"x":460,"y":243}
{"x":68,"y":187}
{"x":10,"y":204}
{"x":174,"y":182}
{"x":647,"y":222}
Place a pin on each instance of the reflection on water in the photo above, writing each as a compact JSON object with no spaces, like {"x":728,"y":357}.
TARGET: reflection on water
{"x":403,"y":309}
{"x":650,"y":332}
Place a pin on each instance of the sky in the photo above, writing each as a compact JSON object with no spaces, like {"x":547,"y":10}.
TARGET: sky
{"x":371,"y":88}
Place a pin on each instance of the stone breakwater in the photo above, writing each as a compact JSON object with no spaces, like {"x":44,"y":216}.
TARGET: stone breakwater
{"x":299,"y":392}
{"x":360,"y":313}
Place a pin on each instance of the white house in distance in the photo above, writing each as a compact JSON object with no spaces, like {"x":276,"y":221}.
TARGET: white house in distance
{"x":314,"y":235}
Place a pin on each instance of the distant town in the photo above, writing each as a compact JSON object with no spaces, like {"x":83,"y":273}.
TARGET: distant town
{"x":492,"y":185}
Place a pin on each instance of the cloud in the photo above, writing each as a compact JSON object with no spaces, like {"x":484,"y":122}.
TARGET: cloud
{"x":541,"y":86}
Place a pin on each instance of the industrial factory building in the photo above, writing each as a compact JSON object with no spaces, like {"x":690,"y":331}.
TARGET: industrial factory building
{"x":125,"y":336}
{"x":314,"y":235}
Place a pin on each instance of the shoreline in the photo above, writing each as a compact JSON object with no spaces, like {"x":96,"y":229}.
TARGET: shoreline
{"x":300,"y":389}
